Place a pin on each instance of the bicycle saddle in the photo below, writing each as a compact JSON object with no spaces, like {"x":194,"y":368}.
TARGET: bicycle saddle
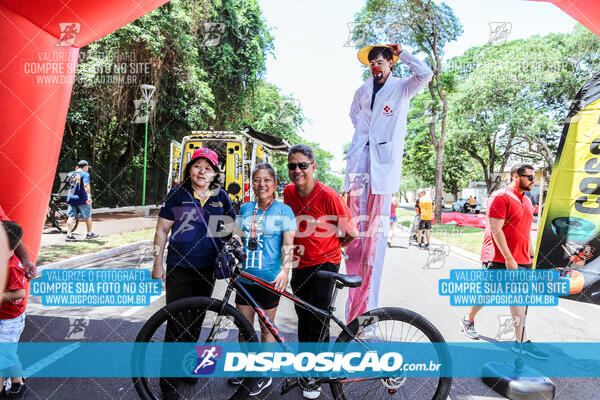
{"x":345,"y":280}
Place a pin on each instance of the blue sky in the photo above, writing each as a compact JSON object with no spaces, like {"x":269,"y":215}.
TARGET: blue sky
{"x":312,"y":64}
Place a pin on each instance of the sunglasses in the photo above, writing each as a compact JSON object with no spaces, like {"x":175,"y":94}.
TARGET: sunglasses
{"x":302,"y":165}
{"x":530,"y":177}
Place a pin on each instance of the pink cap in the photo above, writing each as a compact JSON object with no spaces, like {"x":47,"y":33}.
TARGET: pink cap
{"x":208,"y":154}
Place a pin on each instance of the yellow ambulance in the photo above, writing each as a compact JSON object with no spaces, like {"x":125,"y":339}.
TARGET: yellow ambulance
{"x":238,"y":153}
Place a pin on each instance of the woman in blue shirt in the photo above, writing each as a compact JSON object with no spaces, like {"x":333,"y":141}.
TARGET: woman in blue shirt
{"x":192,"y":252}
{"x":268,"y":228}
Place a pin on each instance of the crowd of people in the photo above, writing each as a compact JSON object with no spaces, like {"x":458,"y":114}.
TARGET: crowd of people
{"x":266,"y":228}
{"x":289,"y":241}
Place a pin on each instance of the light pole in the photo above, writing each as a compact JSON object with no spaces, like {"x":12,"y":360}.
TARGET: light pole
{"x":147,"y":92}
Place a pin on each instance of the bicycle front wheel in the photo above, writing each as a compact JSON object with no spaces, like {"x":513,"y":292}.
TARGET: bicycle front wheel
{"x":190,"y":320}
{"x":62,"y":217}
{"x":393,"y":324}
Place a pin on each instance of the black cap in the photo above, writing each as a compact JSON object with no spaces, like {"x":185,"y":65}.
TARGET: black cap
{"x":82,"y":163}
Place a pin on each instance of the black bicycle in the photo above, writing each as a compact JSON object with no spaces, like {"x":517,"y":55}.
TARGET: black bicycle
{"x":56,"y":214}
{"x":203,"y":319}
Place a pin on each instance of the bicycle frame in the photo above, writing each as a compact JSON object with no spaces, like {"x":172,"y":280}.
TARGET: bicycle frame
{"x":234,"y":284}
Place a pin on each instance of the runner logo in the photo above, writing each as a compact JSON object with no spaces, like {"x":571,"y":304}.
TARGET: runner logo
{"x":388,"y":112}
{"x":207,"y":359}
{"x":68,"y":33}
{"x":499,"y":32}
{"x":506,"y":330}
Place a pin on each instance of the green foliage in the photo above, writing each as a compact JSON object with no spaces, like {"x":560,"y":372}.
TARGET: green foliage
{"x":207,"y":61}
{"x":419,"y":153}
{"x":510,"y":98}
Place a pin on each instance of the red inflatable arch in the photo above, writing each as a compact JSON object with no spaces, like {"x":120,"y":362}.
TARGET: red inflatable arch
{"x":38,"y":56}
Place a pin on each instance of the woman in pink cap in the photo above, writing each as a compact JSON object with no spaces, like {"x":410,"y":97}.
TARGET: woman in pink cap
{"x":197,"y":203}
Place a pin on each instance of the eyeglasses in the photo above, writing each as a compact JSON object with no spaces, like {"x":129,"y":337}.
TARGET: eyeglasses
{"x":302,"y":165}
{"x":530,"y":177}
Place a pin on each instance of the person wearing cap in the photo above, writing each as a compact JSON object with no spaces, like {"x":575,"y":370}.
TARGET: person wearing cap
{"x":79,"y":200}
{"x":378,"y":113}
{"x":190,"y":210}
{"x":424,"y":207}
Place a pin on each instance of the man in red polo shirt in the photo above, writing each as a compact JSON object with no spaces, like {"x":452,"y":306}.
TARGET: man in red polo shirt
{"x":324,"y":227}
{"x":507,"y":245}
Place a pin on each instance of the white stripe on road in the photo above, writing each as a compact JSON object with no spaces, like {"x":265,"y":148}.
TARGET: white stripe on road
{"x":559,"y":308}
{"x":135,"y":309}
{"x":569,"y":313}
{"x":46,"y":361}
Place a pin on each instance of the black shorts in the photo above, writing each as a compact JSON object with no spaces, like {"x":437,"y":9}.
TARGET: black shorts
{"x":424,"y":225}
{"x":264,"y":297}
{"x":499,"y":265}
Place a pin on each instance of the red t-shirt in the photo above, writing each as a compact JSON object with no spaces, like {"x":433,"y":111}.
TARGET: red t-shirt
{"x":13,"y":261}
{"x":320,"y":216}
{"x":15,"y":281}
{"x":517,"y":212}
{"x":13,"y":258}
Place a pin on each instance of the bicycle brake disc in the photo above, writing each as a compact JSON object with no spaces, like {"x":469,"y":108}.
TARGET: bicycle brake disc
{"x":393,"y":383}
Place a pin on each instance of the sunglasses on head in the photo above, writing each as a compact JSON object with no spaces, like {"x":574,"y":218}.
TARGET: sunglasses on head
{"x":302,"y":165}
{"x":530,"y":177}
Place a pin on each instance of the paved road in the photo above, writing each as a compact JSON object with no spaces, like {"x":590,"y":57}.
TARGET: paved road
{"x":408,"y":282}
{"x":103,"y":225}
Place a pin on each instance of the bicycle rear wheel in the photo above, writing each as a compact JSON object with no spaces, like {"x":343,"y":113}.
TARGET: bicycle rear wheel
{"x":393,"y":324}
{"x":193,"y":317}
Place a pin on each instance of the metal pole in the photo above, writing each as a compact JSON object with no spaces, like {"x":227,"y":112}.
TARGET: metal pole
{"x":145,"y":155}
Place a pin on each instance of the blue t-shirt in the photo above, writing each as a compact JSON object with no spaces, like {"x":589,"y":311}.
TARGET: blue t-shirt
{"x":265,"y":261}
{"x":189,"y":246}
{"x":77,"y":195}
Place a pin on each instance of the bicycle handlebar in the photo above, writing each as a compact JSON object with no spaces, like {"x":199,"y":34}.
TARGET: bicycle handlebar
{"x":234,"y":247}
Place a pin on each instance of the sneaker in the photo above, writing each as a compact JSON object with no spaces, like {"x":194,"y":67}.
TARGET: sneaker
{"x":468,"y":328}
{"x":310,"y":388}
{"x":16,"y":391}
{"x":260,"y":385}
{"x":426,"y":246}
{"x":91,"y":235}
{"x":235,"y":381}
{"x":70,"y":238}
{"x":530,"y":349}
{"x":389,"y":244}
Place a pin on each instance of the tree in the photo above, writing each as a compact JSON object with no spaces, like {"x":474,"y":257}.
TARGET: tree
{"x":419,"y":153}
{"x":427,"y":27}
{"x":207,"y":61}
{"x":510,"y":98}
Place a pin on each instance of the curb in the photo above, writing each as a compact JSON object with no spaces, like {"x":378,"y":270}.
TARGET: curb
{"x":107,"y":210}
{"x":93,"y":257}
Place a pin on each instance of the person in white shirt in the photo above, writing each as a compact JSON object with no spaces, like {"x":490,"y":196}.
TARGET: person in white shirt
{"x":378,"y":112}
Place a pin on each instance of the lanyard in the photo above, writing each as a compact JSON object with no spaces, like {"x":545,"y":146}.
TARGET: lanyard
{"x":255,"y":221}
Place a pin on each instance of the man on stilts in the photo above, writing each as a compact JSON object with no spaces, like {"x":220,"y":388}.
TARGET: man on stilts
{"x":378,"y":113}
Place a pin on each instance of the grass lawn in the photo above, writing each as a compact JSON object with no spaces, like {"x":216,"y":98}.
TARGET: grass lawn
{"x":66,"y":250}
{"x":465,"y":237}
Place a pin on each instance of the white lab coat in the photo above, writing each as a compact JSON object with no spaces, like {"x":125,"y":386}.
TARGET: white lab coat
{"x":383,"y":128}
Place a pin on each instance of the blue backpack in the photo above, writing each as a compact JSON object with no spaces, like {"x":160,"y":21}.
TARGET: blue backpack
{"x":77,"y":195}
